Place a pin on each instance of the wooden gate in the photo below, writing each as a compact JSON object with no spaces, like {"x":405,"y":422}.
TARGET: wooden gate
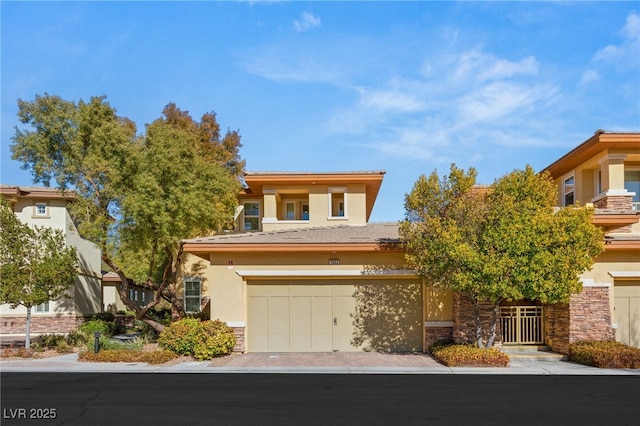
{"x":521,"y":325}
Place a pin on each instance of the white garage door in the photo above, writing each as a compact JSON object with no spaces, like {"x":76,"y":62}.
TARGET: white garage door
{"x":334,"y":315}
{"x":627,"y":312}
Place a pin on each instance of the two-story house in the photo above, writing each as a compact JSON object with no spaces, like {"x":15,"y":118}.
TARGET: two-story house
{"x":308,"y":272}
{"x":603,"y":171}
{"x":47,"y":207}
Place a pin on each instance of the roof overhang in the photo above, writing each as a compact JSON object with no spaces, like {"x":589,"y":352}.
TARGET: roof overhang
{"x":599,"y":142}
{"x":14,"y":193}
{"x":201,"y":249}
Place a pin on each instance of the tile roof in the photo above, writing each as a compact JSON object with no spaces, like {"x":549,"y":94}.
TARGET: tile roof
{"x":341,"y":234}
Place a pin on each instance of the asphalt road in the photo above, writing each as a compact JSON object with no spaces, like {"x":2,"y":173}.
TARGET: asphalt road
{"x":310,"y":399}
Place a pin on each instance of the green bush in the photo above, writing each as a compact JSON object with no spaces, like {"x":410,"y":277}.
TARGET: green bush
{"x":604,"y":354}
{"x":47,"y":341}
{"x":200,"y":339}
{"x":76,"y":338}
{"x":467,"y":355}
{"x":105,"y":328}
{"x":104,"y":316}
{"x":128,"y":355}
{"x":106,"y":343}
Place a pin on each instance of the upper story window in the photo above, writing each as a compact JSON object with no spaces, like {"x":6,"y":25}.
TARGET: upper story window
{"x":251,"y":221}
{"x":337,"y":202}
{"x":569,"y":190}
{"x":40,"y":210}
{"x":632,"y":184}
{"x":192,"y":295}
{"x":296,"y":209}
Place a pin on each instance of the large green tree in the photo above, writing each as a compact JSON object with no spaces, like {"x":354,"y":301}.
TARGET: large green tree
{"x":502,"y":242}
{"x":138,"y":195}
{"x":36,"y":266}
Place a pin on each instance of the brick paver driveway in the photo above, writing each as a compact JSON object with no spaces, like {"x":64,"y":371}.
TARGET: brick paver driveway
{"x":324,"y":359}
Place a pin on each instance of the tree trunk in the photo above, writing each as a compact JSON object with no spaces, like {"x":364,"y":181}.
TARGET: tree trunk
{"x":27,"y":337}
{"x":476,"y":313}
{"x":494,"y":323}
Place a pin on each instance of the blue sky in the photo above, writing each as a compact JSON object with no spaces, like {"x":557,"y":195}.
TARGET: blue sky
{"x":406,"y":87}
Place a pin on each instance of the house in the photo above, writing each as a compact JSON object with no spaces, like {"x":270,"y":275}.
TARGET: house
{"x":603,"y":171}
{"x":47,"y":207}
{"x":111,"y":301}
{"x":307,"y":271}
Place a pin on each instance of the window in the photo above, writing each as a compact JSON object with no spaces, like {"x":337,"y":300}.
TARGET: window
{"x":337,"y":202}
{"x":632,"y":184}
{"x":251,"y":216}
{"x":40,"y":209}
{"x":569,"y":191}
{"x":192,"y":296}
{"x":42,"y":308}
{"x":296,"y":209}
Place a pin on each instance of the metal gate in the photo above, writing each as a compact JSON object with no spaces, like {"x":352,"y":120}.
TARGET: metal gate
{"x":521,"y":324}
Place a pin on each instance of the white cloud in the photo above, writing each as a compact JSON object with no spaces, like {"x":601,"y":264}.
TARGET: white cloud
{"x":626,"y":52}
{"x":589,"y":76}
{"x":306,"y":22}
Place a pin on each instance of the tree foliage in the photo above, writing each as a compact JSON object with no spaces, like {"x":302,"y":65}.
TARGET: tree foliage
{"x":503,"y":242}
{"x":138,"y":195}
{"x":36,"y":266}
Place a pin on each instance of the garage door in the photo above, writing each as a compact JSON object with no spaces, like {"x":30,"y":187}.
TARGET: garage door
{"x":627,"y":312}
{"x":334,"y":315}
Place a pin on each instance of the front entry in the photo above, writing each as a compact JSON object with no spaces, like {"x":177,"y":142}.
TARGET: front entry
{"x":334,"y":315}
{"x":521,"y":325}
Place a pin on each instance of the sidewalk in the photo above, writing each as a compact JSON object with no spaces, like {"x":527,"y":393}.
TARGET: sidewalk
{"x":306,"y":363}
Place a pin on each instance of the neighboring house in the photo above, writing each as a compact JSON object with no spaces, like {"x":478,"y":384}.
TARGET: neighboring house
{"x":111,"y":301}
{"x":603,"y":171}
{"x":46,"y":207}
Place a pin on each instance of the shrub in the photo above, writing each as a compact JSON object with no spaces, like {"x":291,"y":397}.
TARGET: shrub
{"x":105,"y":328}
{"x":76,"y":338}
{"x":604,"y":354}
{"x":107,"y":343}
{"x":453,"y":355}
{"x":104,"y":316}
{"x":128,"y":355}
{"x":47,"y":341}
{"x":19,"y":352}
{"x":200,"y":339}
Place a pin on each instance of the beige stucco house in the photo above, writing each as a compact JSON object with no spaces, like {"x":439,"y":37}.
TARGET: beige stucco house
{"x":603,"y":171}
{"x":305,"y":270}
{"x":47,"y":207}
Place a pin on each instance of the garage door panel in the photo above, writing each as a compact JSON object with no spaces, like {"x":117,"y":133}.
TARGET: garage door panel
{"x":300,"y":323}
{"x":343,"y":315}
{"x":627,"y":312}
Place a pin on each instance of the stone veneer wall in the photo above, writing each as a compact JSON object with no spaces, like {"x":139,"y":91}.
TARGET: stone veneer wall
{"x":435,"y":333}
{"x":617,"y":202}
{"x":40,"y":324}
{"x":239,"y":333}
{"x":464,"y":322}
{"x":586,"y":317}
